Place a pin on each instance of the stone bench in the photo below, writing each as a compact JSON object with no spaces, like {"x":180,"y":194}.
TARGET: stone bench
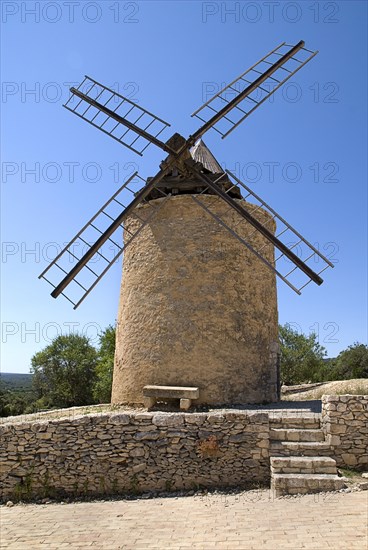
{"x":152,"y":393}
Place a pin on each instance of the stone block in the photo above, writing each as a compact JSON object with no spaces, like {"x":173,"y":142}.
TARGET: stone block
{"x":168,"y":419}
{"x":277,"y":434}
{"x":195,"y":418}
{"x":239,"y":438}
{"x":280,"y":461}
{"x":337,"y":429}
{"x":120,"y":419}
{"x":139,"y":468}
{"x":149,"y":436}
{"x":313,"y":484}
{"x":349,"y":459}
{"x":355,"y":407}
{"x":185,"y":404}
{"x":44,"y":435}
{"x":292,"y":435}
{"x":143,"y":416}
{"x":137,"y":451}
{"x":330,"y":398}
{"x":149,"y":402}
{"x":171,"y":392}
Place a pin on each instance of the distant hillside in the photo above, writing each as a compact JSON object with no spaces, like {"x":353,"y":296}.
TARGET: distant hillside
{"x":15,"y":381}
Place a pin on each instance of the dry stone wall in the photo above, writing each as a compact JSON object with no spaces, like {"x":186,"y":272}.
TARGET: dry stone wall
{"x":345,"y":424}
{"x":135,"y":452}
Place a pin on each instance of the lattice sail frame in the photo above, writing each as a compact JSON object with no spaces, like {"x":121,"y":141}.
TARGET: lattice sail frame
{"x":257,"y":84}
{"x":109,"y":250}
{"x":97,"y":104}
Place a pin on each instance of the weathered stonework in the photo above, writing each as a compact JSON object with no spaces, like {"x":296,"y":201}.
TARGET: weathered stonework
{"x":135,"y":452}
{"x":197,"y":308}
{"x":345,"y":424}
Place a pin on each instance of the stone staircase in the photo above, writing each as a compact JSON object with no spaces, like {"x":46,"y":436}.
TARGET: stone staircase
{"x":300,"y":461}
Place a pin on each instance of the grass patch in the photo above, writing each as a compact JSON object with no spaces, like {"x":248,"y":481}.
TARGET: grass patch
{"x":349,"y":472}
{"x":358,"y":386}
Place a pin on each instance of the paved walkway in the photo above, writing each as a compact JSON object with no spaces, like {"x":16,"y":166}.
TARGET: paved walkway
{"x":248,"y":520}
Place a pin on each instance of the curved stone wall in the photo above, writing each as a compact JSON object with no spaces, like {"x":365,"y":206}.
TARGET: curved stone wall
{"x":197,"y":308}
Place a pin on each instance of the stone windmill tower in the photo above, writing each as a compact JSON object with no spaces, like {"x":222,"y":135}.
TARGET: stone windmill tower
{"x":196,"y":306}
{"x":198,"y":302}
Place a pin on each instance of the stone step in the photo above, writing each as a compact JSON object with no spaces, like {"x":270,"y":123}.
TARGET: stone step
{"x":295,"y":434}
{"x":299,"y":448}
{"x":308,"y":421}
{"x":292,"y":484}
{"x":303,"y":465}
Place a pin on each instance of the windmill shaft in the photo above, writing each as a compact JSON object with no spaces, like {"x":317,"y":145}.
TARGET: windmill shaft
{"x":253,"y":221}
{"x":212,"y":121}
{"x":109,"y":231}
{"x":118,"y":118}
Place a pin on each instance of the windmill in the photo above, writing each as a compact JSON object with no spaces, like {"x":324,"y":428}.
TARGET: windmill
{"x":189,"y":180}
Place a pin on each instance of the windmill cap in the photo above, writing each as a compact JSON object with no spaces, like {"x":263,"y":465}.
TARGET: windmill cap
{"x":200,"y":153}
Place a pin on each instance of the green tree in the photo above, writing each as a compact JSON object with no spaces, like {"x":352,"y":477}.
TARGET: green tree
{"x":301,"y":357}
{"x":13,"y":403}
{"x":105,"y":366}
{"x":64,"y":372}
{"x":4,"y":399}
{"x":352,"y":362}
{"x":15,"y":399}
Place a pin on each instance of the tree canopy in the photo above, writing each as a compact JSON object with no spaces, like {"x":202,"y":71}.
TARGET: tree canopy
{"x":105,"y":366}
{"x":352,"y":362}
{"x":64,"y":372}
{"x":302,"y":357}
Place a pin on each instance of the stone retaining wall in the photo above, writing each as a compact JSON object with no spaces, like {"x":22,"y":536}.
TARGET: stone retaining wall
{"x":345,"y":424}
{"x":135,"y":452}
{"x":112,"y":453}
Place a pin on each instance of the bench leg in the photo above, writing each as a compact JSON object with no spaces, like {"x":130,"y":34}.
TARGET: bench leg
{"x":185,"y":404}
{"x":149,"y":402}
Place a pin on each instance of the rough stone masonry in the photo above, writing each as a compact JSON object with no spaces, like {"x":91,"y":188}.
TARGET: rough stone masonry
{"x":134,"y":451}
{"x":345,"y":423}
{"x":197,"y":308}
{"x":112,"y":453}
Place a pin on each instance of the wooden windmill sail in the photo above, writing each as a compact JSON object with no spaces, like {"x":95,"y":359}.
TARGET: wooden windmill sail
{"x":137,"y":128}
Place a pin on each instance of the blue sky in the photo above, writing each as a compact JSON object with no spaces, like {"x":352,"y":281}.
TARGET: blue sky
{"x":167,"y":56}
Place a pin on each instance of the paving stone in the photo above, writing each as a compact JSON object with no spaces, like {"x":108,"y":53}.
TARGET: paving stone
{"x":251,"y":520}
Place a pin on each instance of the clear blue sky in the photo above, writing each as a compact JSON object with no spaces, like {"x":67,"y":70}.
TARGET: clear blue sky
{"x":166,"y":56}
